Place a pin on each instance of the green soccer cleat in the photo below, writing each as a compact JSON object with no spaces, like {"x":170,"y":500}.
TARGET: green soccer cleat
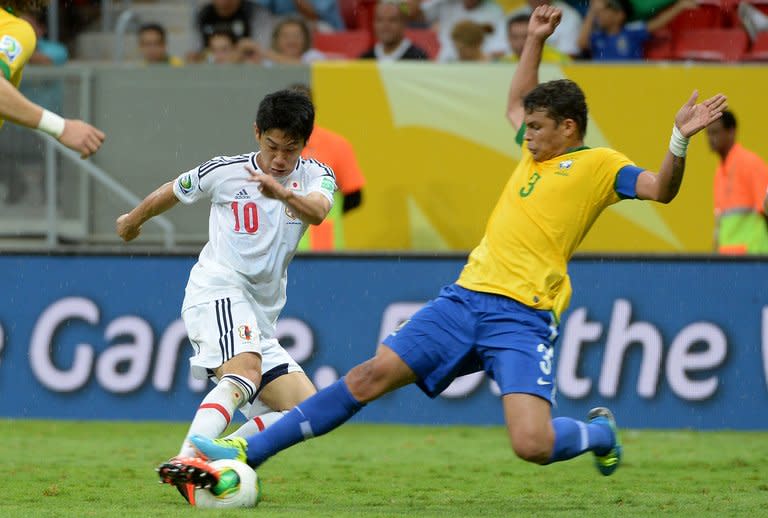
{"x":608,"y":463}
{"x":215,"y":449}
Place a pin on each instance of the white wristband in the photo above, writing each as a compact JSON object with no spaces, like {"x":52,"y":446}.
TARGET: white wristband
{"x":51,"y":124}
{"x":678,"y":144}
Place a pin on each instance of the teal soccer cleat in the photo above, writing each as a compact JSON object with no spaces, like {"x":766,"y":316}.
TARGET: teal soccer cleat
{"x":608,"y":463}
{"x":215,"y":449}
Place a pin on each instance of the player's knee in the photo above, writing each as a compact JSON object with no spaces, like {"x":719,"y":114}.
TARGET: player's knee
{"x":367,"y":381}
{"x":531,"y":446}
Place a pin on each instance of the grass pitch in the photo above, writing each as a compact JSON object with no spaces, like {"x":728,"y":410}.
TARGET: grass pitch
{"x":97,"y":469}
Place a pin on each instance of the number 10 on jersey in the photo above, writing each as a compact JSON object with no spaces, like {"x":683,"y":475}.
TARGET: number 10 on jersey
{"x":246,"y":217}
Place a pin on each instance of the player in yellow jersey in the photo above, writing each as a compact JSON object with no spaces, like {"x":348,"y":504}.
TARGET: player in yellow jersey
{"x":17,"y":43}
{"x":502,"y":313}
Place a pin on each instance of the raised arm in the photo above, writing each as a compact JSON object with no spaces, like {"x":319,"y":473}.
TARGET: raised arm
{"x":129,"y":225}
{"x":75,"y":134}
{"x":585,"y":34}
{"x":669,"y":14}
{"x":689,"y":120}
{"x":543,"y":22}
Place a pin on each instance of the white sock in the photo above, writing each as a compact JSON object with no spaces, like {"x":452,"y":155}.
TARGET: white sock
{"x":257,"y":424}
{"x":215,"y":412}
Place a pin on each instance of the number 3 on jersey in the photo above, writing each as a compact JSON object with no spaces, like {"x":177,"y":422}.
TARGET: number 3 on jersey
{"x":248,"y":214}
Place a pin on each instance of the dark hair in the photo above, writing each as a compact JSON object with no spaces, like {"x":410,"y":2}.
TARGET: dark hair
{"x":624,"y":6}
{"x":223,"y":30}
{"x":518,"y":18}
{"x":153,"y":27}
{"x":301,"y":88}
{"x":729,"y":120}
{"x":289,"y":111}
{"x":293,"y":20}
{"x":562,"y":99}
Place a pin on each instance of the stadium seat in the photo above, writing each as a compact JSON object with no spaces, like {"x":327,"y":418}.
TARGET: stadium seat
{"x":349,"y":10}
{"x":426,"y":39}
{"x":759,"y":50}
{"x":659,"y":47}
{"x":709,"y":14}
{"x":711,"y":44}
{"x":349,"y":44}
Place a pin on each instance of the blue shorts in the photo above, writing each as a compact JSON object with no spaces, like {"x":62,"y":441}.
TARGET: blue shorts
{"x":464,"y":331}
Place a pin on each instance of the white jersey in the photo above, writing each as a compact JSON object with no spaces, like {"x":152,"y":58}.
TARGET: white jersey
{"x":251,"y":238}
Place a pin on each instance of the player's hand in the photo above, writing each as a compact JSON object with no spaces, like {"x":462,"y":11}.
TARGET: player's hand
{"x":81,"y":137}
{"x":267,"y":185}
{"x":544,"y":21}
{"x":126,"y":229}
{"x":692,"y":117}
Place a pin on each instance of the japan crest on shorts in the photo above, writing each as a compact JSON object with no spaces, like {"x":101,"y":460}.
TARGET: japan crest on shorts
{"x":245,"y":333}
{"x":11,"y":47}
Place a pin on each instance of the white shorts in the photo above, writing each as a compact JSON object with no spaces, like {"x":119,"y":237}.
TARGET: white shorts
{"x":221,"y":329}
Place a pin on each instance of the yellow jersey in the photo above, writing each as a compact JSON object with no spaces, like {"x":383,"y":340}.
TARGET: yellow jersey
{"x":17,"y":43}
{"x":544,"y":212}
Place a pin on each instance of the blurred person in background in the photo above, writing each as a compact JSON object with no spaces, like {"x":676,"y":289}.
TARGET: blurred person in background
{"x":607,"y":34}
{"x":447,"y":13}
{"x":323,"y":15}
{"x":335,"y":151}
{"x":153,"y":46}
{"x":566,"y":36}
{"x":741,"y":181}
{"x":517,"y":31}
{"x":467,"y":37}
{"x":389,"y":22}
{"x":291,"y":44}
{"x":17,"y":45}
{"x":243,"y":18}
{"x":222,"y":47}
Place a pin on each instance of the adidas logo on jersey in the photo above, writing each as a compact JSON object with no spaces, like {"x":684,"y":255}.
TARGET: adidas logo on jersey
{"x":242,"y":194}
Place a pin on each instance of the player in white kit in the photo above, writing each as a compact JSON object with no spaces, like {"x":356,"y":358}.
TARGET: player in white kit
{"x":261,"y":204}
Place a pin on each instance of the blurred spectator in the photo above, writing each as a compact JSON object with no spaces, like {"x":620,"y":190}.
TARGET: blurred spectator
{"x":152,"y":45}
{"x":447,"y":13}
{"x":222,"y":47}
{"x":753,"y":19}
{"x":741,"y":180}
{"x":323,"y":14}
{"x":47,"y":52}
{"x":389,"y":23}
{"x":336,"y":152}
{"x":243,"y":18}
{"x":467,"y":37}
{"x":607,"y":36}
{"x":517,"y":31}
{"x":566,"y":36}
{"x":291,"y":43}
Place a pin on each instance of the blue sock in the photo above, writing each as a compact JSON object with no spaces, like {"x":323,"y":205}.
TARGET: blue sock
{"x":572,"y":438}
{"x":319,"y":414}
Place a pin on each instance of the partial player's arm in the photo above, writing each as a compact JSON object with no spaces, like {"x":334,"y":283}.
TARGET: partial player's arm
{"x":161,"y":200}
{"x":75,"y":134}
{"x":690,"y":119}
{"x":543,"y":22}
{"x":311,"y":209}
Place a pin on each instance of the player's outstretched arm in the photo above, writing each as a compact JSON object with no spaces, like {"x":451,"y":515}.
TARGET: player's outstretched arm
{"x":311,"y":209}
{"x":129,"y":225}
{"x":543,"y":22}
{"x":76,"y":135}
{"x":689,"y":120}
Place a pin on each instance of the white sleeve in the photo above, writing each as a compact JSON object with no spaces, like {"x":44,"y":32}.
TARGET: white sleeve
{"x":431,"y":10}
{"x":322,"y":180}
{"x":196,"y":183}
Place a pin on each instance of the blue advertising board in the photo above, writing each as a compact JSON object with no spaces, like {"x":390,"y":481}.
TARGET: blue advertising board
{"x":665,"y":343}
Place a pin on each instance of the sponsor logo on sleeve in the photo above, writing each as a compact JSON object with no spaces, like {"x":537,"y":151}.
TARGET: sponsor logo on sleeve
{"x":11,"y":47}
{"x":185,"y":184}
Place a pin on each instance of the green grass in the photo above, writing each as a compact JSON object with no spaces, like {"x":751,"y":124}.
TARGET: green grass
{"x":96,"y":469}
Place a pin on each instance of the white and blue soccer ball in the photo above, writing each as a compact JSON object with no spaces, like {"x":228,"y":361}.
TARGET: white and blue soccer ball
{"x":246,"y":492}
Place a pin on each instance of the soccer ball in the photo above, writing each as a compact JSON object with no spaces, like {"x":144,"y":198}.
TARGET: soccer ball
{"x":245,"y":493}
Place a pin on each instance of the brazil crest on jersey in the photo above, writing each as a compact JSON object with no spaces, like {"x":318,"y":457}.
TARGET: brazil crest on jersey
{"x":544,"y":212}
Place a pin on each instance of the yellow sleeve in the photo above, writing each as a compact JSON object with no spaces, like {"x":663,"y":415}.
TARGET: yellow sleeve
{"x":17,"y":44}
{"x":611,"y":164}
